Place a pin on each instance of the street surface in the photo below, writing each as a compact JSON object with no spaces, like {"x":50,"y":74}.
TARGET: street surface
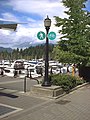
{"x":72,"y":106}
{"x":16,"y":83}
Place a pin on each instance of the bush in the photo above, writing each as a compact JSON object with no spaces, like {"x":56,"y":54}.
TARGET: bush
{"x":67,"y":82}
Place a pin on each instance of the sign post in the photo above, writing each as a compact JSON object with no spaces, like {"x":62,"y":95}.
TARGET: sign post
{"x":41,"y":35}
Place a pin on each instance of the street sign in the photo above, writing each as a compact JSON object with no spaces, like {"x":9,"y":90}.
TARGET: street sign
{"x":52,"y":35}
{"x":41,"y":35}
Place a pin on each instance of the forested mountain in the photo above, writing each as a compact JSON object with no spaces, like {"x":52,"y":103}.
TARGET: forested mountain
{"x":5,"y":49}
{"x":33,"y":52}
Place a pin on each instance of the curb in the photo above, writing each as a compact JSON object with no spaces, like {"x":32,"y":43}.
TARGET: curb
{"x":79,"y":86}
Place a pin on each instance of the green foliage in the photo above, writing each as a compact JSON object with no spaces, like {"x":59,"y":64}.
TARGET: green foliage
{"x":67,"y":82}
{"x":67,"y":57}
{"x":75,"y":42}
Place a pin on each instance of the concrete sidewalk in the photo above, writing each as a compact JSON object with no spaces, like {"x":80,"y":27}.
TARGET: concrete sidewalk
{"x":73,"y":106}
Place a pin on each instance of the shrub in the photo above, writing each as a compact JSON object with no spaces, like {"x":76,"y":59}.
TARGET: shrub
{"x":67,"y":82}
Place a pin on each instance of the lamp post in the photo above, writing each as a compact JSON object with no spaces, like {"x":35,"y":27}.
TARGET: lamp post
{"x":46,"y":81}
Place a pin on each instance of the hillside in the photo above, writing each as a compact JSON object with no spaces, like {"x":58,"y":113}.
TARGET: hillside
{"x":6,"y":49}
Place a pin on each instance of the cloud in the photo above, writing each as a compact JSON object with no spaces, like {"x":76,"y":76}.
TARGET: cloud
{"x":10,"y":16}
{"x":40,"y":7}
{"x":23,"y":35}
{"x":33,"y":12}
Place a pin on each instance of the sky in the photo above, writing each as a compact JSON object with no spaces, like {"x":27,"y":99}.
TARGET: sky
{"x":30,"y":15}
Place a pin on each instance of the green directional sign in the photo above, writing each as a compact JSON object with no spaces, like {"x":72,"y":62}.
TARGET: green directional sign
{"x":41,"y":35}
{"x":52,"y":35}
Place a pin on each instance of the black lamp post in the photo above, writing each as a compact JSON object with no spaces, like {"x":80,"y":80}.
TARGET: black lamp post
{"x":46,"y":81}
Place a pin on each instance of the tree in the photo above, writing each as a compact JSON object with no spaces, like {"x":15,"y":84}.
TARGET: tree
{"x":29,"y":53}
{"x":74,"y":45}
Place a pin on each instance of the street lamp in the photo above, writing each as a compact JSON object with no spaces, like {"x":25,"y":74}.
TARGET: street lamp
{"x":46,"y":81}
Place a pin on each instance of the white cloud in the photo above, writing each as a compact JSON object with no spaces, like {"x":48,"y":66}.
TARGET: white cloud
{"x":30,"y":10}
{"x":41,"y":7}
{"x":28,"y":32}
{"x":9,"y":16}
{"x":5,"y":32}
{"x":25,"y":34}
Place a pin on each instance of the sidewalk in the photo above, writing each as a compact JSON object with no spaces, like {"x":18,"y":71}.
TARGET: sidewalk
{"x":73,"y":106}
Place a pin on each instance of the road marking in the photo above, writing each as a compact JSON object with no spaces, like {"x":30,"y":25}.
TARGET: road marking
{"x":15,"y":109}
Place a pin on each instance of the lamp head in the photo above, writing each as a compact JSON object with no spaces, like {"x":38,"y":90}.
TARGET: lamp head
{"x":47,"y":22}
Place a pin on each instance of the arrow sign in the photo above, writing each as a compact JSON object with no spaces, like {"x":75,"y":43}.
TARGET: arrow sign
{"x":41,"y":35}
{"x":52,"y":35}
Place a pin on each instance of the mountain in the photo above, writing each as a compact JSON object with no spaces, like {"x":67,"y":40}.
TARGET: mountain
{"x":5,"y":49}
{"x":25,"y":45}
{"x":28,"y":44}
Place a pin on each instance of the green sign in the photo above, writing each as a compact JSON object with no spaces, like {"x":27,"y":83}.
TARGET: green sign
{"x":52,"y":35}
{"x":41,"y":35}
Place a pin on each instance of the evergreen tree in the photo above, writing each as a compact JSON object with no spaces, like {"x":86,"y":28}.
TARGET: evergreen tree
{"x":74,"y":45}
{"x":28,"y":53}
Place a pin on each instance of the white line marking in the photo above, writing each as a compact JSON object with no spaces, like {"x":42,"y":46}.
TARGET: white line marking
{"x":17,"y":110}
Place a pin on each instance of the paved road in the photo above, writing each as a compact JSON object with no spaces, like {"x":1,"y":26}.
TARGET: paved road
{"x":73,"y":106}
{"x":16,"y":83}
